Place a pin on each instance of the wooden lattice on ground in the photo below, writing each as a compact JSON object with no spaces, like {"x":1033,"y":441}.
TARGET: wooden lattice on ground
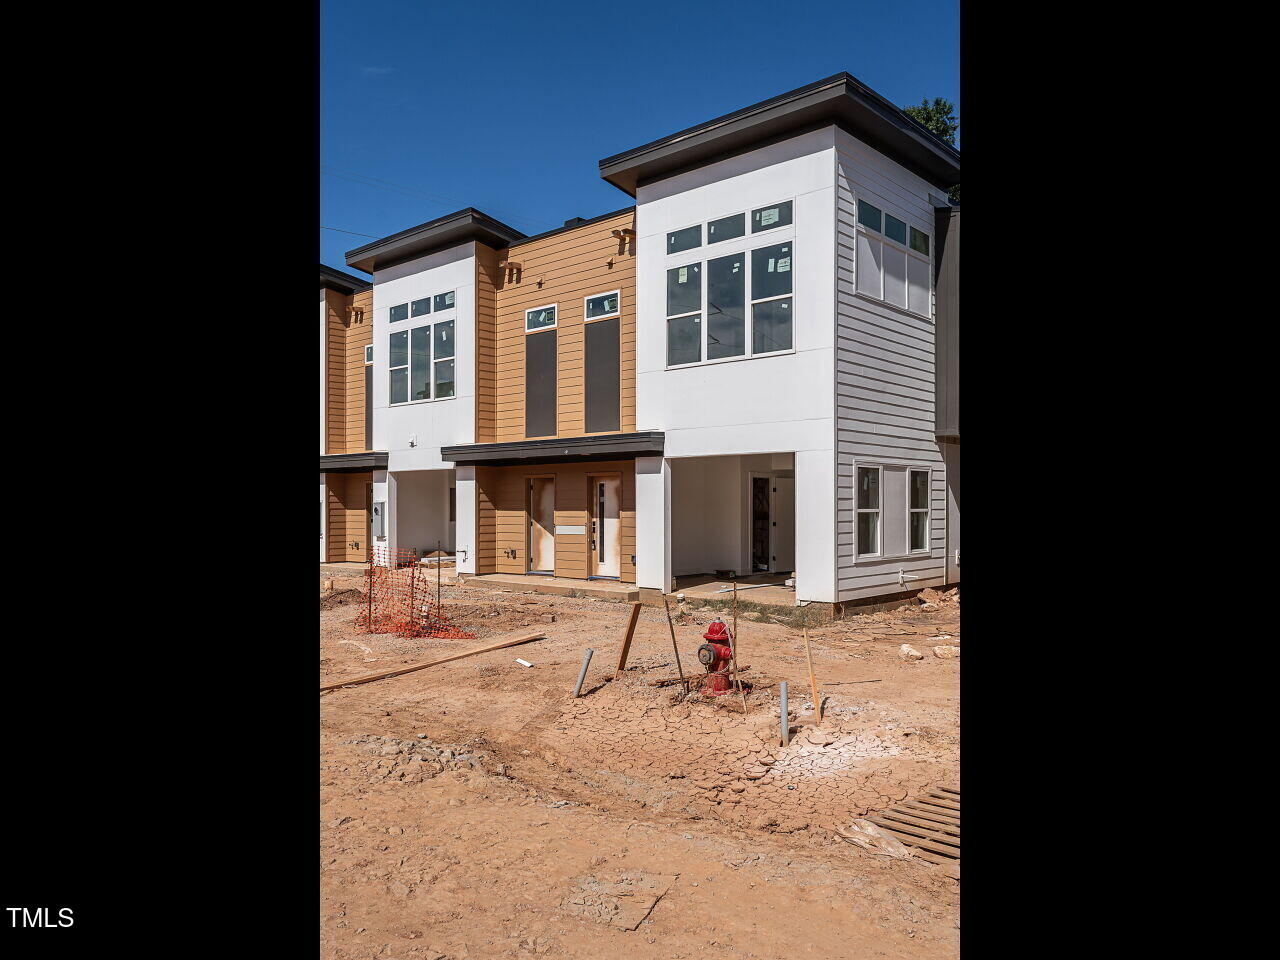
{"x":929,"y":824}
{"x":402,"y":600}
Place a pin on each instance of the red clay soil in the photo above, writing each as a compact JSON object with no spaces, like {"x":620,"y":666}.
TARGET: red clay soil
{"x":477,"y":810}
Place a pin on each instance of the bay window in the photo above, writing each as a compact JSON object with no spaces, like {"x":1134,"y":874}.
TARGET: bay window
{"x":892,"y":260}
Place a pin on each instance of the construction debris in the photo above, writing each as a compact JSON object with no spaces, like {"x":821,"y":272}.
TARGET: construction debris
{"x":944,"y":652}
{"x":908,"y":652}
{"x":868,"y":836}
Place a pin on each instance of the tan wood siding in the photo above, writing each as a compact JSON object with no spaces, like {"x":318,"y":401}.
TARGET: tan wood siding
{"x":488,"y":279}
{"x":570,"y":266}
{"x":502,"y":516}
{"x":349,"y":331}
{"x":348,"y":517}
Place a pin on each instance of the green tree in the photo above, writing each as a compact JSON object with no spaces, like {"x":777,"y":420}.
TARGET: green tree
{"x":939,"y":118}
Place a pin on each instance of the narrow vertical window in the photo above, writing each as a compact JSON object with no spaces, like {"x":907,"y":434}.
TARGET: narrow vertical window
{"x":726,"y":307}
{"x":442,"y":340}
{"x":420,"y":363}
{"x":868,"y":511}
{"x":398,"y":364}
{"x":771,"y":288}
{"x":684,"y":314}
{"x":918,"y":510}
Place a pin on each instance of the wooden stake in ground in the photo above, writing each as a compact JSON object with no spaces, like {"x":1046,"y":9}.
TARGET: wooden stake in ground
{"x":672,"y":627}
{"x":813,"y":683}
{"x":733,"y":649}
{"x":626,"y":641}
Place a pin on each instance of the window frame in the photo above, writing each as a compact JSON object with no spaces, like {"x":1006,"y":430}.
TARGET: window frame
{"x":765,"y":206}
{"x":407,"y":310}
{"x":553,"y":306}
{"x":878,"y":509}
{"x":368,"y":353}
{"x":879,"y":236}
{"x":927,"y":510}
{"x":702,"y":238}
{"x":444,"y":317}
{"x":746,"y":246}
{"x":745,"y":214}
{"x":604,"y":316}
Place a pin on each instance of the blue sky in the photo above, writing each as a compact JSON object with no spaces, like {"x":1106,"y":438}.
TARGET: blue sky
{"x":427,"y":106}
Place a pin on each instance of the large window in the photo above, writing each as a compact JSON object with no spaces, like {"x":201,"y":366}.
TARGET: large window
{"x":868,"y":508}
{"x":918,"y":510}
{"x":421,"y":363}
{"x":766,"y":272}
{"x":893,"y":262}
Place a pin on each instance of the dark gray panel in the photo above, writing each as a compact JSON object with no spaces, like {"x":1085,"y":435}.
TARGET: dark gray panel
{"x":603,"y":374}
{"x":540,"y":384}
{"x":368,"y":406}
{"x":649,"y":443}
{"x":947,"y":328}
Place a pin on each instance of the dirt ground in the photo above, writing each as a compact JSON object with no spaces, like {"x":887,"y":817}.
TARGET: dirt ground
{"x":476,"y":809}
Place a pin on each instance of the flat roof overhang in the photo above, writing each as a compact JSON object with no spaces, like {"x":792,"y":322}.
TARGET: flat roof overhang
{"x":842,"y":100}
{"x":426,"y":238}
{"x":342,"y":281}
{"x":612,"y":446}
{"x":353,"y":462}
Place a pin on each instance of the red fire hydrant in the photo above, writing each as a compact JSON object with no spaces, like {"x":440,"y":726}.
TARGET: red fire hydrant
{"x":715,"y":655}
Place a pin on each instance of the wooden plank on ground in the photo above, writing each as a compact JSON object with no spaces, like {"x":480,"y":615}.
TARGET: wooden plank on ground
{"x":936,"y":811}
{"x":921,"y":832}
{"x":911,"y":841}
{"x":947,"y":829}
{"x":369,"y":678}
{"x":927,"y":815}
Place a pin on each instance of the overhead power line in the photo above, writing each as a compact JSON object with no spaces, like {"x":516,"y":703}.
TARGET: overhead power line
{"x":352,"y":232}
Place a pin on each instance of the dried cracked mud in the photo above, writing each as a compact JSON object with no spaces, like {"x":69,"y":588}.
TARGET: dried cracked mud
{"x":476,"y":809}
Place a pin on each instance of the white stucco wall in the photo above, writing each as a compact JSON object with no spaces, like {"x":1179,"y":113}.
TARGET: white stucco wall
{"x":776,"y":404}
{"x":422,"y":510}
{"x":430,"y":424}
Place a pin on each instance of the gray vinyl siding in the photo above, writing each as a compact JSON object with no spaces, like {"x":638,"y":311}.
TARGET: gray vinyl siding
{"x":947,"y":304}
{"x":885,"y":391}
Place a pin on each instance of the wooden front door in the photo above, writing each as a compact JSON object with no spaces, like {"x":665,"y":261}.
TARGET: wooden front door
{"x":542,"y":525}
{"x":606,"y":525}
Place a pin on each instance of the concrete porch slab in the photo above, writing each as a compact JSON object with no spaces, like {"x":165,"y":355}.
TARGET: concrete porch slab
{"x":559,"y":586}
{"x":766,"y":588}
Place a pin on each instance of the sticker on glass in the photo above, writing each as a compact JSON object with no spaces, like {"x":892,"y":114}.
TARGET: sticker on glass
{"x":769,"y":216}
{"x":784,"y":264}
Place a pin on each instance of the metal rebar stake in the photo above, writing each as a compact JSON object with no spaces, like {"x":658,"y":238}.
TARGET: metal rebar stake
{"x":786,"y":722}
{"x":582,"y":674}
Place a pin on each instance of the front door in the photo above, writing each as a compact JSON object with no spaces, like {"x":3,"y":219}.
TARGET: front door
{"x":759,"y":524}
{"x":542,"y":525}
{"x":606,"y":527}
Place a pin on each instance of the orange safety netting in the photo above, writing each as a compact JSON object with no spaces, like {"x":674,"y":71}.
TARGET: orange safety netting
{"x":402,"y":600}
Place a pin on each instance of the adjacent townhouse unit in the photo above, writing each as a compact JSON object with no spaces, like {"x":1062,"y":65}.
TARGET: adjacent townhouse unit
{"x":752,"y":368}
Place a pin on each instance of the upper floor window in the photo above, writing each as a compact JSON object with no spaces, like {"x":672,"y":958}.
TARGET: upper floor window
{"x":604,"y":305}
{"x":540,"y":318}
{"x":892,"y":262}
{"x":368,"y":353}
{"x":760,"y":279}
{"x":727,"y":228}
{"x":766,"y":218}
{"x":420,"y":308}
{"x":686,"y":239}
{"x":421,"y":363}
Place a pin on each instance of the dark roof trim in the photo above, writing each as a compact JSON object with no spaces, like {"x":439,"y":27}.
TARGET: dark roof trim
{"x":338,"y":280}
{"x":574,"y":226}
{"x":561,"y":450}
{"x":353,"y":462}
{"x":842,"y":100}
{"x":439,"y":234}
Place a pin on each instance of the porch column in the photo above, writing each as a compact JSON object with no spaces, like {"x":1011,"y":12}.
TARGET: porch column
{"x":816,"y":525}
{"x":465,"y":530}
{"x":653,"y":523}
{"x":384,"y":489}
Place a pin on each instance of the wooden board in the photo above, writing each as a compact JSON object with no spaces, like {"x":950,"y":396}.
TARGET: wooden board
{"x":932,"y":832}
